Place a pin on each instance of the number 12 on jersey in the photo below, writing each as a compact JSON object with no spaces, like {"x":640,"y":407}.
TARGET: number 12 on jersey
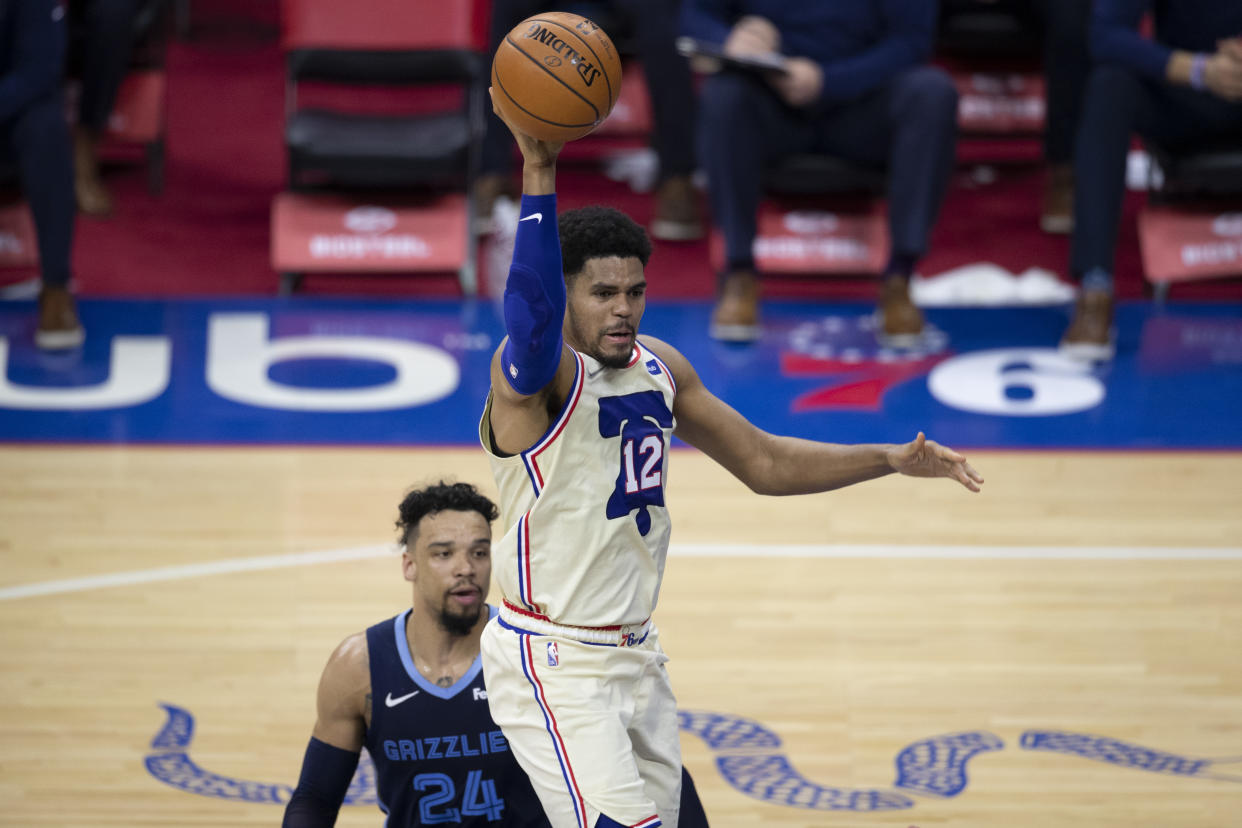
{"x":639,"y":419}
{"x":651,"y":452}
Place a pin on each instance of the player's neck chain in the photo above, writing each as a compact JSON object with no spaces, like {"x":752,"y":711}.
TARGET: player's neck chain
{"x":447,"y":675}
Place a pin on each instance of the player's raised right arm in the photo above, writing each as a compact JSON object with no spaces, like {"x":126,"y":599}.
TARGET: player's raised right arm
{"x":533,"y":356}
{"x":534,"y":299}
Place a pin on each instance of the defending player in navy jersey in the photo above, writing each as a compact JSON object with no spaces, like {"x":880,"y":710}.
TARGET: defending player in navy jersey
{"x":411,"y":690}
{"x":577,"y":428}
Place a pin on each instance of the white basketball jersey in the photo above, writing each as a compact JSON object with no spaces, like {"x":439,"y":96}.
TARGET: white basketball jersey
{"x":583,"y":508}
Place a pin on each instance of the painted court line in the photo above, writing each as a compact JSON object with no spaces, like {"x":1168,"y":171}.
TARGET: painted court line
{"x":178,"y":573}
{"x":1118,"y":553}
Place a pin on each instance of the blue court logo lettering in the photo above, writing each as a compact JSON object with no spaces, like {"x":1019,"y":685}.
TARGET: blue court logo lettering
{"x":748,"y":755}
{"x":352,"y":372}
{"x":240,"y":359}
{"x":240,"y":355}
{"x":138,"y":373}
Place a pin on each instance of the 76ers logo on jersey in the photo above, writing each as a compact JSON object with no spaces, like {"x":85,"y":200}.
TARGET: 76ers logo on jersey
{"x":639,"y":419}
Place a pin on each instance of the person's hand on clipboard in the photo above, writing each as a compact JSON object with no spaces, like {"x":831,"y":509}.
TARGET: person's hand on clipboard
{"x":754,"y":46}
{"x":752,"y":36}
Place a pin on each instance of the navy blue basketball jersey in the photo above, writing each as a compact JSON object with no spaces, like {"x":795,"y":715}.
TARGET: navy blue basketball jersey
{"x":439,"y":757}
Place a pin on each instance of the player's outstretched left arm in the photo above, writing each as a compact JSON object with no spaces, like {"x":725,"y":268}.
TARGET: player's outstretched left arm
{"x":774,"y":465}
{"x":926,"y":458}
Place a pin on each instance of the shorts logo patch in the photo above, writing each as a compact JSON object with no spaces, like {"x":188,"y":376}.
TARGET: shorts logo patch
{"x":554,"y":656}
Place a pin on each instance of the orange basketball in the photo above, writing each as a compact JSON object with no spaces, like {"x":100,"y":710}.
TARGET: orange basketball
{"x":556,"y":76}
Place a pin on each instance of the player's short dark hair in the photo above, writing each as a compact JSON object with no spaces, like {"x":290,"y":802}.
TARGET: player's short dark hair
{"x":598,"y":232}
{"x":440,"y":497}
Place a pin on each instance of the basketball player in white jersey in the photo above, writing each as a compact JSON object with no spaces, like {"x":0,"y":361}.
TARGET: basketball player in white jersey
{"x":577,"y":426}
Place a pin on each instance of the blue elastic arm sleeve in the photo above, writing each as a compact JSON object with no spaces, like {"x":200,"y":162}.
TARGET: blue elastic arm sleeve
{"x":326,"y":774}
{"x":534,"y":298}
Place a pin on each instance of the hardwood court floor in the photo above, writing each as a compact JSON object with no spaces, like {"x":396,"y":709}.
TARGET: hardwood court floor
{"x":849,"y":655}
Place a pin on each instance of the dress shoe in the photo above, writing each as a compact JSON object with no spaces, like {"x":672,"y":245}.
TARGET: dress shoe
{"x":59,"y":328}
{"x":677,"y":213}
{"x":736,"y":315}
{"x":487,"y":190}
{"x":92,"y":196}
{"x":1058,"y":211}
{"x":900,"y":320}
{"x":1090,"y":336}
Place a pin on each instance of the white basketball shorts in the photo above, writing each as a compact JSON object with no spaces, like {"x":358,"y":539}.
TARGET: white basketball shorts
{"x":594,"y":726}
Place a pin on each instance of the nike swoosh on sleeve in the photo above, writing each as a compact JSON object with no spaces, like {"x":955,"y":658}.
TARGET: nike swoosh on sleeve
{"x":538,"y":217}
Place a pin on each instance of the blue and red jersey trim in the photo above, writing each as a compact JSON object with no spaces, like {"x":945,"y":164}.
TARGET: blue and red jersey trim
{"x":530,"y":457}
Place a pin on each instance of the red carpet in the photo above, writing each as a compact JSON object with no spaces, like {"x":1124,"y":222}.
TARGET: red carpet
{"x":208,"y":232}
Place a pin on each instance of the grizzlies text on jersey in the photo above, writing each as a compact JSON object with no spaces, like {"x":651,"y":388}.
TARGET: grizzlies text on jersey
{"x":439,"y":757}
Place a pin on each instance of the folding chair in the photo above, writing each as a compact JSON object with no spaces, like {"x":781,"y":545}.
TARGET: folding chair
{"x":820,"y":215}
{"x":993,"y":51}
{"x":379,"y":191}
{"x":1192,"y":227}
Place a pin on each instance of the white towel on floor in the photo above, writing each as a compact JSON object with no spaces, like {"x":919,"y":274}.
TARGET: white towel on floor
{"x":988,"y":284}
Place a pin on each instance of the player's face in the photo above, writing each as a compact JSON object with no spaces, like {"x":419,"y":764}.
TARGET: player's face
{"x":605,"y":304}
{"x":450,"y":564}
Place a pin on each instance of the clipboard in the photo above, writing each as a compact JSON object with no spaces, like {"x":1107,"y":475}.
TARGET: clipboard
{"x":771,"y":63}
